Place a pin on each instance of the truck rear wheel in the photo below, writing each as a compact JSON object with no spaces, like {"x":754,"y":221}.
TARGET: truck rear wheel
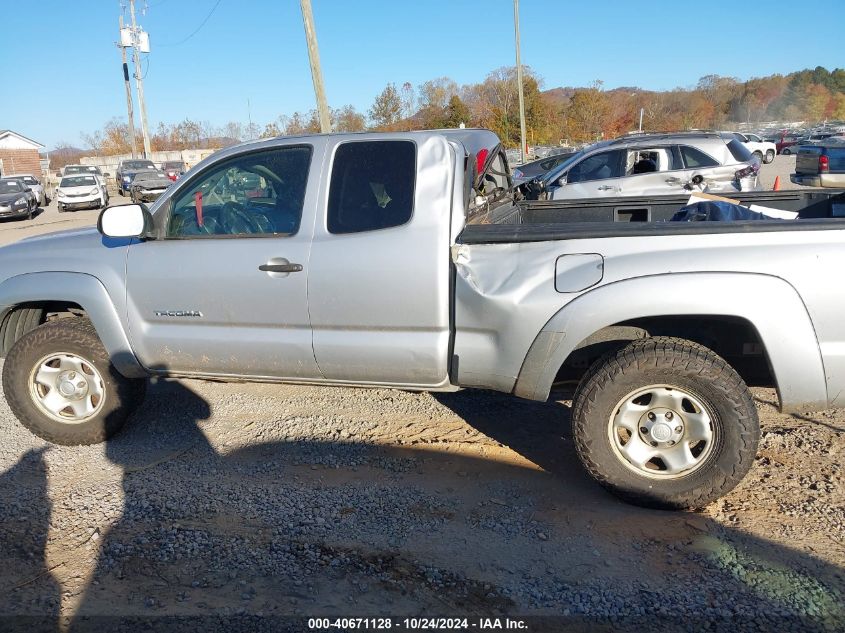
{"x":665,"y":423}
{"x":61,"y":385}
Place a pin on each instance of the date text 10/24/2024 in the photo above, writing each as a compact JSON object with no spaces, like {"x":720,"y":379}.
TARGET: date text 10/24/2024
{"x":416,"y":624}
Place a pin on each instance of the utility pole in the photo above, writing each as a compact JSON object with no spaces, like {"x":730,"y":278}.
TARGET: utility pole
{"x":316,"y":73}
{"x":519,"y":81}
{"x":139,"y":81}
{"x":129,"y":112}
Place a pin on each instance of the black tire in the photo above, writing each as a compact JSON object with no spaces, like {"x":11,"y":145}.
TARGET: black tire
{"x":16,"y":324}
{"x":786,"y":151}
{"x":686,"y":366}
{"x":758,"y":155}
{"x":73,"y":335}
{"x":770,"y":156}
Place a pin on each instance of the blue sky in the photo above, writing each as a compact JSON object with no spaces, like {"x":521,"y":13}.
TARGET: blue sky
{"x":66,"y":79}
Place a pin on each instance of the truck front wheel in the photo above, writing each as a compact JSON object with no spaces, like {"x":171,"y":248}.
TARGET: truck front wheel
{"x":61,"y":385}
{"x":665,"y":423}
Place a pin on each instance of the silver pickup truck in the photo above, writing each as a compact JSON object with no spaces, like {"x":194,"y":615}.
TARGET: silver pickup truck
{"x":366,"y":260}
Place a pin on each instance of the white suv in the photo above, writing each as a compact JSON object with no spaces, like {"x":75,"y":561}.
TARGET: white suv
{"x":655,"y":164}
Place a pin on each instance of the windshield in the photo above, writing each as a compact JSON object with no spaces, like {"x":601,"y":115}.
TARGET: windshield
{"x":78,"y":181}
{"x":29,"y":180}
{"x":81,"y":169}
{"x":10,"y":186}
{"x":138,"y":164}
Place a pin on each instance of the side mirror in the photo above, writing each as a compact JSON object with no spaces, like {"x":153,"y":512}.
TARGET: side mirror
{"x":125,"y":220}
{"x":561,"y":181}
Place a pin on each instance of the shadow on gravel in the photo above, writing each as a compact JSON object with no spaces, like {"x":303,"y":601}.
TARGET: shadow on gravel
{"x":30,"y":600}
{"x":246,"y":538}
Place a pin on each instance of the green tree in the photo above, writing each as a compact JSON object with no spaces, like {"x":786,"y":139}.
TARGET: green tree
{"x":456,"y":113}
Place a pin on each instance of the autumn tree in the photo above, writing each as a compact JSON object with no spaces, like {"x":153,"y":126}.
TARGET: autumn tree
{"x":588,"y":113}
{"x":348,"y":119}
{"x":271,"y":130}
{"x":387,"y":108}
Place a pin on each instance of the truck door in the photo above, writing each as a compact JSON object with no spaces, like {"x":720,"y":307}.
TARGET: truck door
{"x":223,"y":291}
{"x":379,"y":280}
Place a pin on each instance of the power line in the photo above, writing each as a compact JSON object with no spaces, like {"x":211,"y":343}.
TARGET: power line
{"x":202,"y":24}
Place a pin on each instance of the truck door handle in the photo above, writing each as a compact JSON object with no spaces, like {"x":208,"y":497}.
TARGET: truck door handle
{"x":281,"y":268}
{"x":673,"y":181}
{"x":605,"y":187}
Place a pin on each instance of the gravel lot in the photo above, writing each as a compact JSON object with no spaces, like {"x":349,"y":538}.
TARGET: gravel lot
{"x":249,"y":500}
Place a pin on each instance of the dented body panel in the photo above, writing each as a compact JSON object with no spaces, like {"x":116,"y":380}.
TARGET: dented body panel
{"x":514,"y":329}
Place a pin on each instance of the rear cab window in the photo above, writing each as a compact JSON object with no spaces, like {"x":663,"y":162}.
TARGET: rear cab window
{"x":372,"y":186}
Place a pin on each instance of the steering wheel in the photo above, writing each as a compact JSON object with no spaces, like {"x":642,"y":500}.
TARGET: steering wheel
{"x":235,"y":220}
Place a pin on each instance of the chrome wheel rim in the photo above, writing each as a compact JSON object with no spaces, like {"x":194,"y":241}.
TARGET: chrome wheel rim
{"x":67,"y":388}
{"x":662,"y":431}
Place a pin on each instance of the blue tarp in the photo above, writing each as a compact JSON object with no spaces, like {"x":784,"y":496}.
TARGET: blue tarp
{"x":715,"y":211}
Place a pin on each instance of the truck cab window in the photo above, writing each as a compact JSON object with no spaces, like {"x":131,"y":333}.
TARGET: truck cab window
{"x":254,"y":194}
{"x":372,"y":186}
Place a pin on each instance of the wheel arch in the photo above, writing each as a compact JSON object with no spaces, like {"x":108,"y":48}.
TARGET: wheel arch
{"x":45,"y":290}
{"x":768,"y":304}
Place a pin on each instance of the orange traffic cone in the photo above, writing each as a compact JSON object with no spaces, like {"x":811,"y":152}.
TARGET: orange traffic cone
{"x":776,"y":186}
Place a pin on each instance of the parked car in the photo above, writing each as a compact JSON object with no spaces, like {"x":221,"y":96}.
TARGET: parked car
{"x":390,"y":283}
{"x":655,"y":164}
{"x":28,"y":193}
{"x":35,"y":185}
{"x":788,"y":144}
{"x":765,"y":151}
{"x":821,"y":165}
{"x":14,"y":203}
{"x":514,"y":157}
{"x":538,"y":167}
{"x":173,"y":169}
{"x":125,"y":171}
{"x":81,"y":191}
{"x":71,"y":170}
{"x":148,"y":186}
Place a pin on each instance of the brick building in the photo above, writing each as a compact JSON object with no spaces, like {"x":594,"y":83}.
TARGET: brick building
{"x":19,"y":155}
